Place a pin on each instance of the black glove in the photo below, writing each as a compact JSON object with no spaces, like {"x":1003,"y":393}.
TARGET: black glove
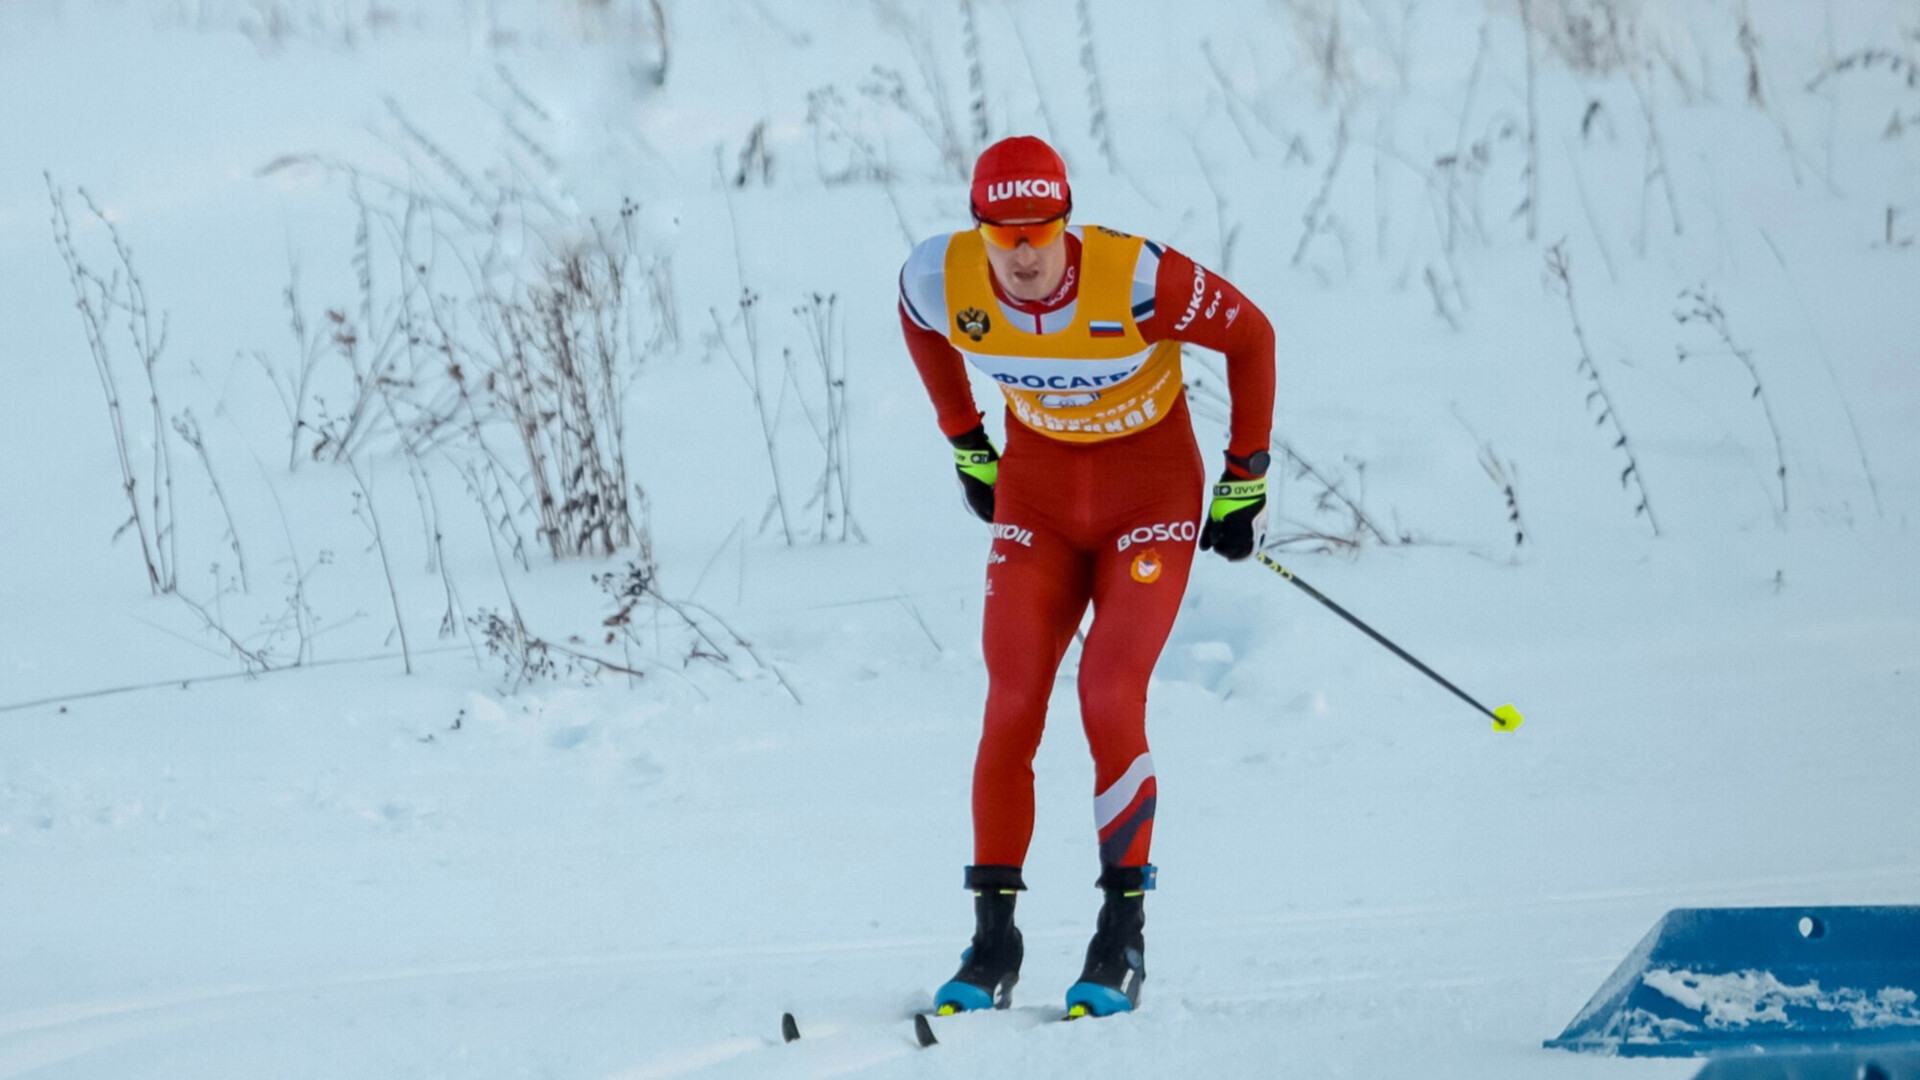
{"x":1237,"y":520}
{"x":979,"y":466}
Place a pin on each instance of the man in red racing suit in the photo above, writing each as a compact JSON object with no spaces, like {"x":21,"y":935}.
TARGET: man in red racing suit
{"x":1097,"y":500}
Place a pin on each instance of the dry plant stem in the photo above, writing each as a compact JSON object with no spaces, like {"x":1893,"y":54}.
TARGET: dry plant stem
{"x":1224,"y":230}
{"x":195,"y":680}
{"x":1593,"y":222}
{"x":475,"y":430}
{"x":737,"y":640}
{"x":583,"y":343}
{"x":1560,"y":269}
{"x":1206,"y":388}
{"x":589,"y":658}
{"x":348,"y":437}
{"x":952,"y":150}
{"x":148,"y":348}
{"x":1457,"y":163}
{"x":1706,"y":308}
{"x":1502,"y":474}
{"x":888,"y":86}
{"x":738,"y":525}
{"x":1532,"y":205}
{"x":309,"y":348}
{"x":639,"y":584}
{"x":475,"y":223}
{"x":439,"y":157}
{"x":1229,"y":98}
{"x":1901,"y":65}
{"x":1749,"y":42}
{"x":834,"y":490}
{"x":914,"y":611}
{"x":1314,"y":219}
{"x":1853,"y":426}
{"x":1656,"y":168}
{"x":297,"y":610}
{"x":1306,"y":534}
{"x":454,"y":616}
{"x":93,"y":314}
{"x":254,"y":661}
{"x":527,"y":656}
{"x":755,"y":158}
{"x":478,"y":491}
{"x":505,"y":525}
{"x":1363,"y":522}
{"x":188,"y":429}
{"x":1440,"y":301}
{"x":429,"y":505}
{"x":1099,"y":127}
{"x":372,"y":519}
{"x":768,"y":421}
{"x":1040,"y":92}
{"x":556,"y":355}
{"x":976,"y":76}
{"x":826,"y":109}
{"x":519,"y":92}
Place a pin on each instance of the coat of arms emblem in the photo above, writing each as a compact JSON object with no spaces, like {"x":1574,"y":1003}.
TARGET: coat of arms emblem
{"x":974,"y":323}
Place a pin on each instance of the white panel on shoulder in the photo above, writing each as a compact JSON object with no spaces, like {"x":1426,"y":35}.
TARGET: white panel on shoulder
{"x":923,"y":283}
{"x":1146,"y":278}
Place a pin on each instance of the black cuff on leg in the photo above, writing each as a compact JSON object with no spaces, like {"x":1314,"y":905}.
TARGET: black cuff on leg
{"x":1128,"y":879}
{"x":995,"y":879}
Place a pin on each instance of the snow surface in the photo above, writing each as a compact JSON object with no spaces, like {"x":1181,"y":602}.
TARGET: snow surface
{"x":345,"y":870}
{"x":1743,"y":998}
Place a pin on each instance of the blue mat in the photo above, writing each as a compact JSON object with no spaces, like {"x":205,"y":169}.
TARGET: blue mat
{"x":1726,"y":980}
{"x":1883,"y":1064}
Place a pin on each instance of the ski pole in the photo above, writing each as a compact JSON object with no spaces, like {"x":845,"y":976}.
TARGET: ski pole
{"x":1505,"y":718}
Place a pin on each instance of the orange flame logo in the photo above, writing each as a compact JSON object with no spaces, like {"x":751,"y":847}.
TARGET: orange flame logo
{"x":1146,"y":566}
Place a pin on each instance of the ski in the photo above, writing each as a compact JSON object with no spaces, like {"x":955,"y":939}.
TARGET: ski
{"x":922,"y":1031}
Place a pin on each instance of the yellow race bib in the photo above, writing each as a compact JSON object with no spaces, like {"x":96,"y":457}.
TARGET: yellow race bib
{"x":1094,"y":379}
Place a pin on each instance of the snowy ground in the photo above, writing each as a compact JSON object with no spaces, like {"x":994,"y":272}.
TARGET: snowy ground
{"x":346,"y":870}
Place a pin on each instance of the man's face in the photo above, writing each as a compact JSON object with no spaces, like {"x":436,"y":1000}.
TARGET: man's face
{"x":1027,"y":272}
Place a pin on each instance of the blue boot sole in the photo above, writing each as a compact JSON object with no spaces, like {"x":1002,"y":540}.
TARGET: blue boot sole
{"x":1092,"y":999}
{"x":958,"y":996}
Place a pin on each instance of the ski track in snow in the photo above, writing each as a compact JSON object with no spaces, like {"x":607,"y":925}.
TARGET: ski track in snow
{"x":35,"y":1038}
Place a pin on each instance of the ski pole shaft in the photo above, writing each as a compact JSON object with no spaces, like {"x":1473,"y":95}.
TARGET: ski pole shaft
{"x":1505,"y":718}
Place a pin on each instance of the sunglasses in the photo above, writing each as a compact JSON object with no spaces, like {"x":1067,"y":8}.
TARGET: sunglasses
{"x":1037,"y":233}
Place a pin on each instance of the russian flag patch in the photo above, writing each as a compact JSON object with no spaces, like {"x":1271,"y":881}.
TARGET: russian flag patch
{"x":1106,"y":329}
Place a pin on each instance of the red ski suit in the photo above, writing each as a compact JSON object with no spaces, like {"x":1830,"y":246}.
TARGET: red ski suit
{"x":1110,"y":518}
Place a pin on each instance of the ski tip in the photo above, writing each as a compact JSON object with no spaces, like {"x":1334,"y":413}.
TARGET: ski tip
{"x":789,"y":1030}
{"x":1507,"y":718}
{"x":923,"y":1031}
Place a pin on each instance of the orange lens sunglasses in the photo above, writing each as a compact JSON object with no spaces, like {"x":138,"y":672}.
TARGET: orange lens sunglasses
{"x":1037,"y":233}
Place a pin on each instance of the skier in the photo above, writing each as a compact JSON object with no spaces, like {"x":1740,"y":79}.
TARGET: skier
{"x":1096,"y":501}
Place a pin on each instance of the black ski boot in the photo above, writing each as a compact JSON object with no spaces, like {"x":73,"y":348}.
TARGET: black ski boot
{"x":1116,"y":957}
{"x":991,"y":965}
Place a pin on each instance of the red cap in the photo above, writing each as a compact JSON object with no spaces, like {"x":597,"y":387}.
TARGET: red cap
{"x":1020,"y":178}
